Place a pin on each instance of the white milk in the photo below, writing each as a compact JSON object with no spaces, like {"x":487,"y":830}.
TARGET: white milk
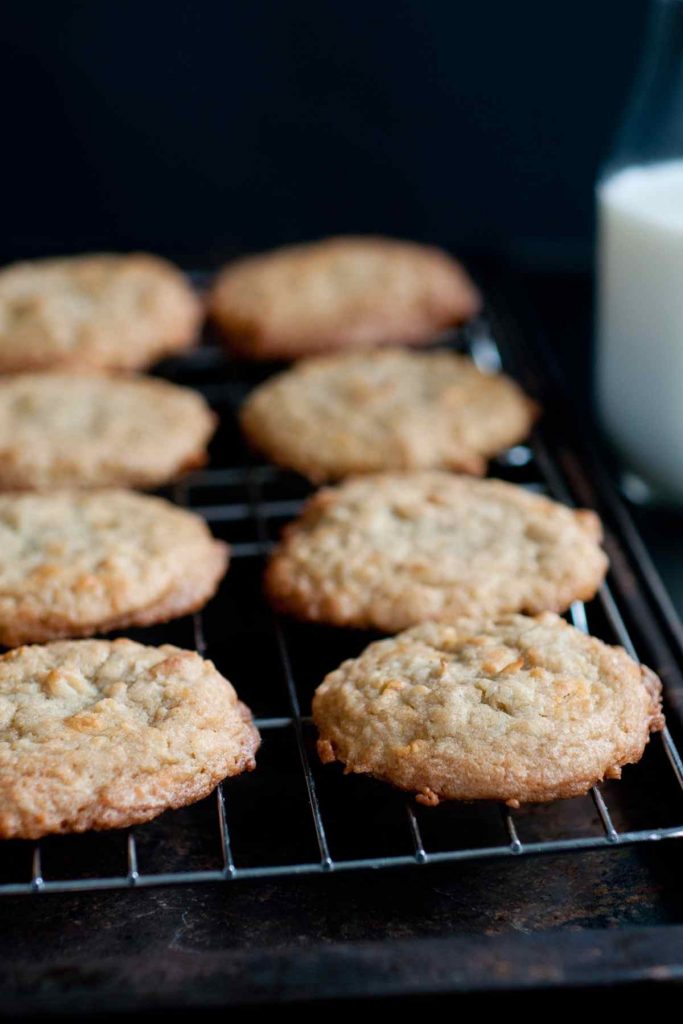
{"x":640,"y":320}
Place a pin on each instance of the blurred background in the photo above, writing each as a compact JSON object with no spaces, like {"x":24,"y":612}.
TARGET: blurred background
{"x":199,"y":128}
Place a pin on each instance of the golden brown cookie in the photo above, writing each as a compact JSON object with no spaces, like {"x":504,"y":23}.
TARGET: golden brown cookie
{"x":74,"y":563}
{"x":392,"y":550}
{"x":102,"y":311}
{"x":333,"y":416}
{"x":340,"y":293}
{"x":519,"y":709}
{"x":104,"y":734}
{"x":62,"y":430}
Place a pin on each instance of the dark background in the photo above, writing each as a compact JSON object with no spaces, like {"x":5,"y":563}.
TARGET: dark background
{"x":200,"y":128}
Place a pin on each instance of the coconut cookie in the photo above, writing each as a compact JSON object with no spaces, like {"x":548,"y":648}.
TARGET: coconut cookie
{"x":103,"y":311}
{"x":62,"y":430}
{"x":392,"y":550}
{"x":333,"y":416}
{"x":74,"y":563}
{"x":340,"y":293}
{"x":520,"y":709}
{"x":98,"y":734}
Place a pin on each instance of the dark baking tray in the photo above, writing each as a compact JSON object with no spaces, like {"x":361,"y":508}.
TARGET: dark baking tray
{"x":291,"y":817}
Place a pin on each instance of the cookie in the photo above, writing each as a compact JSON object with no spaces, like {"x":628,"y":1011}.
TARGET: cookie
{"x":392,"y":550}
{"x":103,"y":311}
{"x":74,"y":563}
{"x":340,"y":293}
{"x":103,"y":734}
{"x":62,"y":430}
{"x":333,"y":416}
{"x":520,"y":709}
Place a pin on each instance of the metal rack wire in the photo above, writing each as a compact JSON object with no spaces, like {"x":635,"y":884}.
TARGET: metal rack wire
{"x":305,"y":819}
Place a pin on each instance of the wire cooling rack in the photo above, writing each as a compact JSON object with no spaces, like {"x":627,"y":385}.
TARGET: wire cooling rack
{"x":291,"y":816}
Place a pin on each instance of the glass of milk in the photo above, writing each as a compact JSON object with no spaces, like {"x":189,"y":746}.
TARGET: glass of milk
{"x":640,"y":270}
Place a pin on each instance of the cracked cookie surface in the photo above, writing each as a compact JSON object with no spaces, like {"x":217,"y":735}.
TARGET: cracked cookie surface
{"x":103,"y":734}
{"x":333,"y":416}
{"x":339,"y":293}
{"x":74,"y":563}
{"x":102,"y":311}
{"x":91,"y":430}
{"x":518,"y":710}
{"x":391,"y":550}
